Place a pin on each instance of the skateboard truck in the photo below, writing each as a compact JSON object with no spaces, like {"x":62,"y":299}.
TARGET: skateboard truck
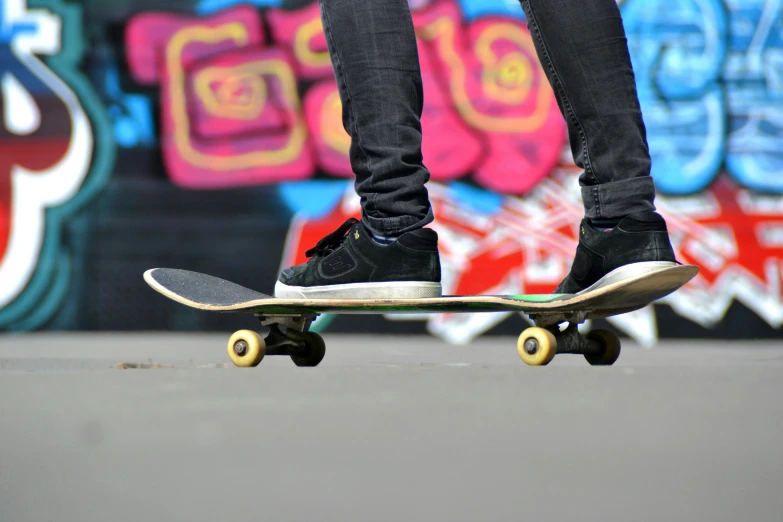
{"x":545,"y":319}
{"x":298,"y":323}
{"x":287,"y":333}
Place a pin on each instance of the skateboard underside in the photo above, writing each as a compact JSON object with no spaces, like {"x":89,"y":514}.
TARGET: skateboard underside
{"x":289,"y":320}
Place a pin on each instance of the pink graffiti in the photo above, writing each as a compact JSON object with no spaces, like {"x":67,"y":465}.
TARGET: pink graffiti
{"x":230,"y":108}
{"x":499,"y":89}
{"x":301,"y":33}
{"x":231,"y":111}
{"x":148,"y":34}
{"x":450,"y":147}
{"x":323,"y":114}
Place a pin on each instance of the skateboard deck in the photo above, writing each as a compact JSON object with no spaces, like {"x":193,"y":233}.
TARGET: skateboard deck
{"x":290,"y":319}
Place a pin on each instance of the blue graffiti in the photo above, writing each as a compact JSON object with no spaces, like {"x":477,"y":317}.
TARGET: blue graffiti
{"x":9,"y":61}
{"x":678,"y":50}
{"x":481,"y":200}
{"x":315,"y":199}
{"x":131,"y":114}
{"x":710,"y":80}
{"x":312,"y":199}
{"x":205,"y":7}
{"x":472,"y":9}
{"x":754,"y":84}
{"x":13,"y":30}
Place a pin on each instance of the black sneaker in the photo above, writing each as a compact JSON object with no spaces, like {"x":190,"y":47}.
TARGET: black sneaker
{"x":638,"y":244}
{"x":350,"y":264}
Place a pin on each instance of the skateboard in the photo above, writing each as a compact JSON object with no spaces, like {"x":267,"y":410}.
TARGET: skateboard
{"x":289,"y":320}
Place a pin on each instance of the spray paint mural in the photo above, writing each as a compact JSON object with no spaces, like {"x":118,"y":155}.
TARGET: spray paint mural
{"x":52,"y":158}
{"x":245,"y":102}
{"x":505,"y":197}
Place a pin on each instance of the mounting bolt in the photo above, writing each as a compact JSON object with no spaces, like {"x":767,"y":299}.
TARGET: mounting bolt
{"x":531,"y":346}
{"x":240,"y":348}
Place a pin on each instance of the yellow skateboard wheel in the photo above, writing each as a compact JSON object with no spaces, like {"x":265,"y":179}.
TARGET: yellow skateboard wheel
{"x":537,"y":346}
{"x":610,"y":347}
{"x":246,"y":348}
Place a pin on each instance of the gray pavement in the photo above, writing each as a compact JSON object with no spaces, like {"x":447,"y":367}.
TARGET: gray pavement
{"x":387,"y":428}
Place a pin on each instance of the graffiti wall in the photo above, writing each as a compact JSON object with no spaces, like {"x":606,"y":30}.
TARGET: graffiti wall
{"x":207,"y":135}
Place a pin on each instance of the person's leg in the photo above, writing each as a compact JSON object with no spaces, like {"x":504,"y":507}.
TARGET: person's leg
{"x":582,"y":48}
{"x":372,"y":45}
{"x":373,"y":49}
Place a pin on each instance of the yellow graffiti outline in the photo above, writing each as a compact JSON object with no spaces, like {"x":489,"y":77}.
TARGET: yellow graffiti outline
{"x":236,"y":32}
{"x":495,"y":70}
{"x":211,"y":101}
{"x":333,"y":137}
{"x":442,"y":31}
{"x":302,"y":49}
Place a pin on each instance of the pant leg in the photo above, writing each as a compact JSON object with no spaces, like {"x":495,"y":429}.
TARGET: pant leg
{"x":373,"y":49}
{"x":582,"y":47}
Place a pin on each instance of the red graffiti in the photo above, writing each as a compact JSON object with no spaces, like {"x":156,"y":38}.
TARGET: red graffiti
{"x":527,"y":244}
{"x":26,"y":143}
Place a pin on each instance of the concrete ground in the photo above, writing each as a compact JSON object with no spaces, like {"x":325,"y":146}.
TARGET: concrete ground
{"x":387,"y":429}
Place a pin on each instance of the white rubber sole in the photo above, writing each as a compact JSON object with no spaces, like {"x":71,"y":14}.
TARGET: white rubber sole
{"x":627,"y":272}
{"x":390,"y":290}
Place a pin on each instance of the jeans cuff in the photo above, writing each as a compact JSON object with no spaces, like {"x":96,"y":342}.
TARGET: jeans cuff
{"x":618,"y":199}
{"x":396,"y":226}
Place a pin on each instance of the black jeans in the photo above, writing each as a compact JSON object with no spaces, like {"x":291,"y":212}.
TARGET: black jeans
{"x":582,"y":48}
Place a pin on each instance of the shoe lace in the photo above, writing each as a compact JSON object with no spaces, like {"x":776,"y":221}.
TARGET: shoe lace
{"x":332,"y":241}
